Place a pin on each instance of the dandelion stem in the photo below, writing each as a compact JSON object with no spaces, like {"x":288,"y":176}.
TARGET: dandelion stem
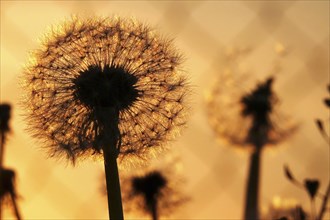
{"x":154,"y":210}
{"x":15,"y":206}
{"x":2,"y":145}
{"x":110,"y":153}
{"x":113,"y":187}
{"x":252,"y":190}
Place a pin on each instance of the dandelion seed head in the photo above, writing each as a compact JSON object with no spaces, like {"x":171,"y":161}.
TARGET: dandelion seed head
{"x":88,"y":68}
{"x":149,"y":186}
{"x":246,"y":119}
{"x":153,"y":187}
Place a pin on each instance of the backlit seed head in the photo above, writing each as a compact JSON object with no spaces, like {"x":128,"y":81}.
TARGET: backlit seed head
{"x":247,"y":119}
{"x":104,"y":71}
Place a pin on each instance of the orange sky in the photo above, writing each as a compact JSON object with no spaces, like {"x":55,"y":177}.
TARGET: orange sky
{"x":205,"y":32}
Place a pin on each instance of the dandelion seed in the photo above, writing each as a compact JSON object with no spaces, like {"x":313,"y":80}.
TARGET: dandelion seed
{"x":105,"y":86}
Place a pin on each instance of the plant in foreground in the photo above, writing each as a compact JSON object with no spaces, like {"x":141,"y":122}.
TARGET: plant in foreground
{"x":247,"y":120}
{"x":285,"y":209}
{"x":8,"y":193}
{"x":105,"y":86}
{"x":311,"y":186}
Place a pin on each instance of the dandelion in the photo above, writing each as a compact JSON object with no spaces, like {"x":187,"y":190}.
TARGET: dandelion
{"x":105,"y":86}
{"x":154,"y":193}
{"x":4,"y":128}
{"x":8,"y":194}
{"x":285,"y":209}
{"x":248,"y":120}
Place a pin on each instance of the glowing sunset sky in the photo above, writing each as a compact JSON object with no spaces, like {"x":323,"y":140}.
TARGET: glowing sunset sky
{"x":291,"y":37}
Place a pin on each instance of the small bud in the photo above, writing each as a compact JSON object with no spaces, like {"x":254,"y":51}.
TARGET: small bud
{"x":288,"y":174}
{"x":320,"y":126}
{"x":312,"y":185}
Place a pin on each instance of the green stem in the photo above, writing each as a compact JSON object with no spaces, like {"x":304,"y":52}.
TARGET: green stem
{"x":252,"y":190}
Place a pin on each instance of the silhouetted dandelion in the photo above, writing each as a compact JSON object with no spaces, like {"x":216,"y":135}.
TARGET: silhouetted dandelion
{"x":4,"y":128}
{"x":285,"y":209}
{"x":105,"y":86}
{"x":8,"y":193}
{"x":248,"y":120}
{"x":155,"y":193}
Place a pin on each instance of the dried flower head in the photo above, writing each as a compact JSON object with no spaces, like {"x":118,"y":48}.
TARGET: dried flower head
{"x":246,"y":118}
{"x":153,"y":193}
{"x":99,"y":74}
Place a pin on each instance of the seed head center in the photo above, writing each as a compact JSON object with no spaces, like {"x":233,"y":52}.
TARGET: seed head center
{"x":108,"y":87}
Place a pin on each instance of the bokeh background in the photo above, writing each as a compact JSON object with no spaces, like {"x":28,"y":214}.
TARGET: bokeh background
{"x":291,"y":37}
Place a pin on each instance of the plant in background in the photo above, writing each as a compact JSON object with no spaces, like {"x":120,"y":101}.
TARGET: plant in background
{"x":155,"y":192}
{"x":105,"y":86}
{"x":311,"y":186}
{"x":8,"y":193}
{"x":248,"y":120}
{"x":285,"y":209}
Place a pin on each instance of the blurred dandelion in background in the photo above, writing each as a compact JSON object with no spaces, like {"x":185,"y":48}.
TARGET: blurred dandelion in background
{"x":286,"y":209}
{"x":156,"y":192}
{"x":8,"y":194}
{"x":247,"y":116}
{"x":106,"y":86}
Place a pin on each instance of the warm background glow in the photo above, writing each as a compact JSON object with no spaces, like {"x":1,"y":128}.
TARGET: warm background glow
{"x":204,"y":31}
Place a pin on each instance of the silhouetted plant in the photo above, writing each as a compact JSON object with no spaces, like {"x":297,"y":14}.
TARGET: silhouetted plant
{"x":311,"y":186}
{"x":7,"y":176}
{"x":285,"y":209}
{"x":105,"y":86}
{"x":8,"y":193}
{"x":248,"y":120}
{"x":155,"y":193}
{"x":4,"y":128}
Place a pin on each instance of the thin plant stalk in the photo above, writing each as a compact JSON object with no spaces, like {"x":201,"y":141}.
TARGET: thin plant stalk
{"x":324,"y":203}
{"x":15,"y":207}
{"x":110,"y":149}
{"x":313,"y":217}
{"x":154,"y":211}
{"x":113,"y":187}
{"x":2,"y":145}
{"x":252,"y":192}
